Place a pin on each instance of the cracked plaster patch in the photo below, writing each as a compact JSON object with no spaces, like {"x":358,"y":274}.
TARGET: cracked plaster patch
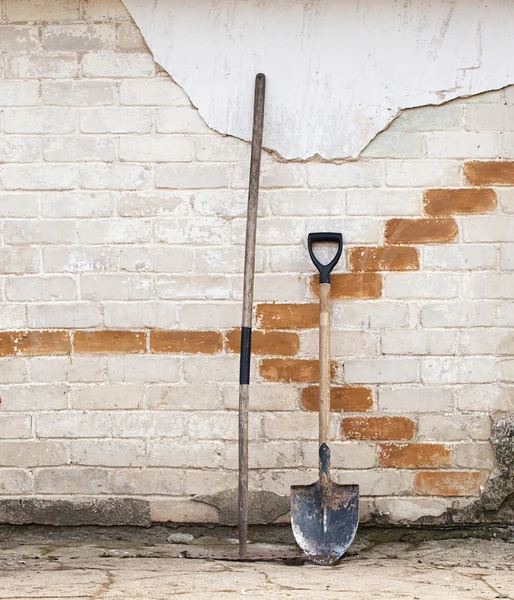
{"x":338,"y":72}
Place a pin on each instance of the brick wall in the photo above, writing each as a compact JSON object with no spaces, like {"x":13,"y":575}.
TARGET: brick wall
{"x":121,"y":255}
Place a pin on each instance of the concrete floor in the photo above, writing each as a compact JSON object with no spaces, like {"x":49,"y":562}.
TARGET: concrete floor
{"x":73,"y":568}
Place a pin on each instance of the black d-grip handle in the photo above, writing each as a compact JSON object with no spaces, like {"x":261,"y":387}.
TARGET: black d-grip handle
{"x":325,"y":270}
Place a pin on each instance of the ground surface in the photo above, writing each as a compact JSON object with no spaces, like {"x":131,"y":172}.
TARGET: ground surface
{"x":111,"y":569}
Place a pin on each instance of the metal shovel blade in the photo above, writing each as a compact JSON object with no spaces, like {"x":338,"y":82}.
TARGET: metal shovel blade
{"x":324,"y":518}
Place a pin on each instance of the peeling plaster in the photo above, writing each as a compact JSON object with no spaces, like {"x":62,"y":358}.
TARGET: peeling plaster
{"x":338,"y":72}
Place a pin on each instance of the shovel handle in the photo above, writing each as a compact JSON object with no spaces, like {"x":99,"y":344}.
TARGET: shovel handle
{"x":321,"y":237}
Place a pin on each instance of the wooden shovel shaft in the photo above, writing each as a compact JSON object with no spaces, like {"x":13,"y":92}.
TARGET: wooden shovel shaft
{"x":244,"y":375}
{"x":324,"y":364}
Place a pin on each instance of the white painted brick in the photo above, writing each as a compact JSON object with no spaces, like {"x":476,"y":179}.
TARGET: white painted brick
{"x":430,"y":118}
{"x":489,"y":117}
{"x":419,"y":341}
{"x":79,"y":259}
{"x":15,"y":426}
{"x":42,"y":10}
{"x":41,"y":66}
{"x":221,"y":203}
{"x":116,"y":120}
{"x":18,"y":38}
{"x":186,"y":119}
{"x":12,"y":316}
{"x":493,"y":97}
{"x":113,"y":231}
{"x":359,"y":314}
{"x":32,"y":454}
{"x":421,"y":173}
{"x":205,"y":230}
{"x":143,"y":368}
{"x":405,"y":510}
{"x":210,"y":148}
{"x":154,"y":203}
{"x":108,"y":453}
{"x":118,"y":64}
{"x":200,"y":455}
{"x":507,"y":257}
{"x":71,"y":481}
{"x":506,"y":313}
{"x":193,"y":287}
{"x":396,"y":202}
{"x":13,"y":370}
{"x":77,"y":204}
{"x":453,"y":427}
{"x":301,"y":202}
{"x":78,"y":37}
{"x":266,"y":455}
{"x":209,"y":482}
{"x":192,"y":176}
{"x":73,"y":425}
{"x":220,"y":426}
{"x":64,"y":315}
{"x":19,"y":260}
{"x":290,"y":258}
{"x":342,"y":343}
{"x":421,"y":285}
{"x":166,"y":482}
{"x":390,"y":144}
{"x":207,"y":369}
{"x":273,"y":288}
{"x":33,"y":398}
{"x":106,"y":397}
{"x":40,"y":289}
{"x":343,"y":455}
{"x":150,"y":425}
{"x":161,"y":91}
{"x":506,"y":198}
{"x":413,"y":399}
{"x":487,"y":341}
{"x":25,"y":231}
{"x":105,"y":10}
{"x":273,"y":175}
{"x":19,"y":93}
{"x":506,"y":370}
{"x":37,"y":177}
{"x":60,"y":368}
{"x":381,"y":370}
{"x":113,"y":177}
{"x":78,"y":149}
{"x":357,"y":230}
{"x":15,"y":482}
{"x":459,"y":258}
{"x":280,"y":481}
{"x":14,"y":204}
{"x":156,"y":148}
{"x":463,"y":144}
{"x":457,"y":370}
{"x":78,"y":93}
{"x":490,"y":285}
{"x":378,"y":483}
{"x":507,"y":144}
{"x":485,"y":398}
{"x":263,"y":397}
{"x":200,"y":315}
{"x":272,"y":230}
{"x":140,"y":314}
{"x":459,"y":314}
{"x":354,"y":174}
{"x":156,"y":259}
{"x":488,"y":229}
{"x":129,"y":37}
{"x":116,"y":287}
{"x":222,"y":259}
{"x":474,"y":456}
{"x":184,"y":397}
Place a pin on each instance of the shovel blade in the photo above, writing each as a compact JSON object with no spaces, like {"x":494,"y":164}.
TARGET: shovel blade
{"x":324,"y":521}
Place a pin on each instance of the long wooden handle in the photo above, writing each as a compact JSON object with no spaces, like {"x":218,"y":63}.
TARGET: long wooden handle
{"x":246,"y":330}
{"x":324,"y":364}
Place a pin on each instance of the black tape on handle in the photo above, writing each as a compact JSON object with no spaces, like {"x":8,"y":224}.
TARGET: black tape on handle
{"x":246,"y":351}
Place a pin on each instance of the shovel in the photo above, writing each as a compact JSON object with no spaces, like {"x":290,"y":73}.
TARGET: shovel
{"x":324,"y":515}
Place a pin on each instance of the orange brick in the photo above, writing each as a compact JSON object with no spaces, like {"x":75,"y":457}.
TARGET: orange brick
{"x":449,"y":483}
{"x":414,"y":456}
{"x":378,"y":428}
{"x":346,"y":397}
{"x":291,"y":370}
{"x":440,"y":203}
{"x":420,"y":231}
{"x":206,"y":342}
{"x":108,"y":341}
{"x":384,"y":258}
{"x":352,"y":285}
{"x":483,"y":172}
{"x":34,"y":343}
{"x":288,"y":316}
{"x":284,"y":343}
